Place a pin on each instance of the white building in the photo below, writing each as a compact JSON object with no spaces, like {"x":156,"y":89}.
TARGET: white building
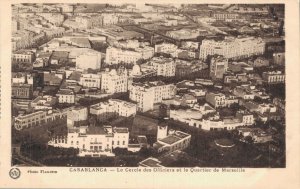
{"x":184,"y":34}
{"x":91,"y":59}
{"x":220,"y":100}
{"x":66,"y":96}
{"x":94,"y":141}
{"x":43,"y":102}
{"x":218,"y":67}
{"x":147,"y":94}
{"x":30,"y":120}
{"x":266,"y":108}
{"x":273,"y":77}
{"x":114,"y":81}
{"x":110,"y":19}
{"x":23,"y":57}
{"x":175,"y":141}
{"x":232,"y":48}
{"x":54,"y":18}
{"x":76,"y":114}
{"x":90,"y":80}
{"x":167,"y":48}
{"x":129,"y":56}
{"x":112,"y":108}
{"x":162,"y":132}
{"x":163,"y":66}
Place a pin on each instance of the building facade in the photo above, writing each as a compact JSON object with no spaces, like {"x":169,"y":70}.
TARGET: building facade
{"x":30,"y":120}
{"x":88,"y":60}
{"x":273,"y":77}
{"x":90,"y":80}
{"x":114,"y":81}
{"x":112,"y":108}
{"x":66,"y":96}
{"x":164,"y":66}
{"x":232,"y":48}
{"x":218,"y":67}
{"x":147,"y":94}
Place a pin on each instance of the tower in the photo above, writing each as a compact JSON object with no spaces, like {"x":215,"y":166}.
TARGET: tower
{"x":162,"y":131}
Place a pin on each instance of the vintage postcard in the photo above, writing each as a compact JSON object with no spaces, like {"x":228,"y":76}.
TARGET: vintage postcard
{"x":141,"y":94}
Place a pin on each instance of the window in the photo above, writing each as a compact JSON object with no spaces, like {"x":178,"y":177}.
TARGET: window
{"x":123,"y":142}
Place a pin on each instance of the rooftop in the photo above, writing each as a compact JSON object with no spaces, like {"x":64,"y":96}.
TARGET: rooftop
{"x":177,"y":136}
{"x":96,"y":131}
{"x":121,"y":130}
{"x":150,"y":162}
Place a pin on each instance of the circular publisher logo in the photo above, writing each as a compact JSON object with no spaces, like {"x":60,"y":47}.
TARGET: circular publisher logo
{"x":15,"y":173}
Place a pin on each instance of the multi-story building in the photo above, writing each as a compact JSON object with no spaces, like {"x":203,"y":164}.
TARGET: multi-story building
{"x":247,"y":118}
{"x":30,"y":120}
{"x":116,"y":56}
{"x":129,"y":56}
{"x":93,"y":140}
{"x":186,"y":68}
{"x":114,"y":81}
{"x":167,"y":48}
{"x":54,"y":18}
{"x":112,"y":108}
{"x":273,"y":77}
{"x":226,"y":16}
{"x":66,"y":96}
{"x":21,"y":90}
{"x":243,"y":92}
{"x":90,"y":80}
{"x":110,"y":19}
{"x":147,"y":94}
{"x":220,"y":100}
{"x":75,"y":115}
{"x":232,"y":48}
{"x":218,"y":67}
{"x":18,"y":77}
{"x":163,"y":66}
{"x":216,"y":99}
{"x":53,"y":78}
{"x":123,"y":108}
{"x":23,"y":57}
{"x":91,"y":59}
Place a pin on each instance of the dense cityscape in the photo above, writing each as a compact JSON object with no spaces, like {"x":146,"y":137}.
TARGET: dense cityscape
{"x":149,"y":85}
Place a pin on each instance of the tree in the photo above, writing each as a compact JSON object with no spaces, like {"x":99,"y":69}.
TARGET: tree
{"x":249,"y":139}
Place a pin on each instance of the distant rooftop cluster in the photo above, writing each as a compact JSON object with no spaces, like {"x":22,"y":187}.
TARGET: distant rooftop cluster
{"x":159,"y":83}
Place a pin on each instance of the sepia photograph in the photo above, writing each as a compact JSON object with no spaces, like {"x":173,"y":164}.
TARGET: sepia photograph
{"x":148,"y":85}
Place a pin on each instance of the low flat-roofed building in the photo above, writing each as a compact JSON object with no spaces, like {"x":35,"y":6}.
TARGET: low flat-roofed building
{"x":150,"y":162}
{"x":43,"y":102}
{"x":175,"y":141}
